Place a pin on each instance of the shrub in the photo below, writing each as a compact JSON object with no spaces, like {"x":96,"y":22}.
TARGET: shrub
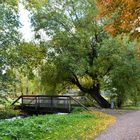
{"x":8,"y":112}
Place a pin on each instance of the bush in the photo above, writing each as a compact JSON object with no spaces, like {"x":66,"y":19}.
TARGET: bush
{"x":8,"y":112}
{"x":78,"y":109}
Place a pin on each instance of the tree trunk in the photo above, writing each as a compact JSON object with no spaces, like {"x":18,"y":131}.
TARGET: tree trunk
{"x":100,"y":100}
{"x":95,"y":93}
{"x":119,"y":102}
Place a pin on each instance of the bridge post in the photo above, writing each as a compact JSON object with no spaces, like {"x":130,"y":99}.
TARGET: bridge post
{"x":22,"y":102}
{"x":69,"y":103}
{"x":36,"y":103}
{"x":51,"y":104}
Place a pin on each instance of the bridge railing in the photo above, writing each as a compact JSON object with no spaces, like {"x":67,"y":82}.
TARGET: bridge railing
{"x":52,"y":103}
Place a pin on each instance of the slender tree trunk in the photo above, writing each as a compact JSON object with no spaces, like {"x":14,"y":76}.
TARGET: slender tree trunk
{"x":119,"y":102}
{"x":27,"y":86}
{"x":15,"y":90}
{"x":21,"y":90}
{"x":95,"y":93}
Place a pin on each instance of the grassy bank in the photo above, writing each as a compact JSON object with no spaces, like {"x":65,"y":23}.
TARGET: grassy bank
{"x":75,"y":126}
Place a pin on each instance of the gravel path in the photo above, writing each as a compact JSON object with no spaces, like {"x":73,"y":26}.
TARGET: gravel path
{"x":127,"y":127}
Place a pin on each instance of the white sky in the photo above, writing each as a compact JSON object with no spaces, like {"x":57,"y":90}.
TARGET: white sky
{"x":25,"y":30}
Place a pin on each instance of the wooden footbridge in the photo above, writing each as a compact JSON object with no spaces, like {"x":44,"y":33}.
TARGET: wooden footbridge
{"x":47,"y":104}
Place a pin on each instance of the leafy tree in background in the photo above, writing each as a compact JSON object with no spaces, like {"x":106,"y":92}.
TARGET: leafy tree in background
{"x":79,"y":51}
{"x":12,"y":3}
{"x":125,"y":77}
{"x":9,"y":37}
{"x":28,"y":58}
{"x":123,"y":14}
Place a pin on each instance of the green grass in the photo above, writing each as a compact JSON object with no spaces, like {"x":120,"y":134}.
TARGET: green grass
{"x":75,"y":126}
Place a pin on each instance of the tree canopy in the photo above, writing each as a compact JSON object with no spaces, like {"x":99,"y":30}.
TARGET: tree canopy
{"x":123,"y":14}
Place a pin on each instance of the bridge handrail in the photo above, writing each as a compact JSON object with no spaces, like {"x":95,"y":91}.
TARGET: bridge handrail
{"x":16,"y":100}
{"x":70,"y":97}
{"x":44,"y":96}
{"x":79,"y":103}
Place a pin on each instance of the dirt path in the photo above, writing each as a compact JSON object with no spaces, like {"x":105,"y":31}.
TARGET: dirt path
{"x":127,"y":127}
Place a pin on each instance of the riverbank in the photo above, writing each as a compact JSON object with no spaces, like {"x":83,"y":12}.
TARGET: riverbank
{"x":80,"y":125}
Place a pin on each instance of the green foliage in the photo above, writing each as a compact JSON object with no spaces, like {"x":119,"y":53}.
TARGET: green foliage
{"x":10,"y":2}
{"x":52,"y":127}
{"x":8,"y":26}
{"x":124,"y":77}
{"x":35,"y":4}
{"x":8,"y":112}
{"x":78,"y":109}
{"x":3,"y":98}
{"x":9,"y":37}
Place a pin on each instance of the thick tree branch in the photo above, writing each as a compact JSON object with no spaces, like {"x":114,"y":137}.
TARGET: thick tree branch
{"x":108,"y":70}
{"x":74,"y":79}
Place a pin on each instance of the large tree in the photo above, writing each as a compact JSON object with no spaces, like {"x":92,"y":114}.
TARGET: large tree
{"x":79,"y":51}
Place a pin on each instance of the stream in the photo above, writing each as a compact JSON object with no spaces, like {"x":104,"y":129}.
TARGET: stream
{"x":25,"y":116}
